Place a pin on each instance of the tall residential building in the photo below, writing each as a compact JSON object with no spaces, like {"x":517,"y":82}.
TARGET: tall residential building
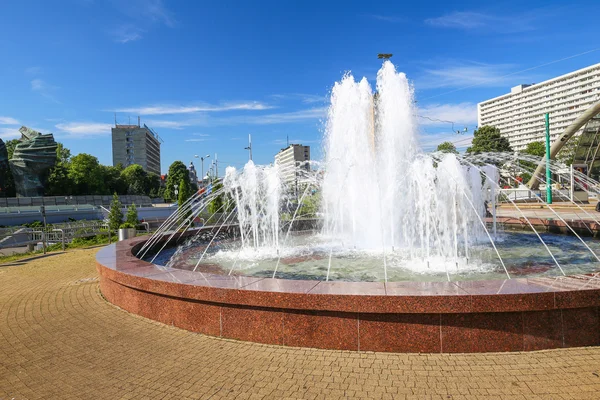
{"x":290,"y":159}
{"x":520,"y":114}
{"x":135,"y":144}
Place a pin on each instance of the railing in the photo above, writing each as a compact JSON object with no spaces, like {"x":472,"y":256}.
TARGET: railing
{"x":48,"y":209}
{"x":56,"y":233}
{"x":67,"y":234}
{"x":526,"y":195}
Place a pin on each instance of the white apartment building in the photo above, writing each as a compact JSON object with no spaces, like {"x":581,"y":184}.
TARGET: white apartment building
{"x":520,"y":114}
{"x":290,"y":159}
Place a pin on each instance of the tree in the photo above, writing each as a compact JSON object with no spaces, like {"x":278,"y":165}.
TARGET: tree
{"x":115,"y":216}
{"x":134,"y":177}
{"x":184,"y":194}
{"x":152,"y":185}
{"x":6,"y":177}
{"x":7,"y":182}
{"x":58,"y":182}
{"x":62,"y":153}
{"x":86,"y":174}
{"x":488,"y":139}
{"x":447,"y":147}
{"x":216,"y":203}
{"x":312,"y":204}
{"x":10,"y":147}
{"x":177,"y":172}
{"x":567,"y":153}
{"x":536,"y":149}
{"x":112,"y":179}
{"x":132,"y":216}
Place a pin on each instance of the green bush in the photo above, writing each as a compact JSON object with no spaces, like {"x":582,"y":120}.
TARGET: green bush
{"x":88,"y":241}
{"x":34,"y":224}
{"x":132,"y":216}
{"x":115,"y":216}
{"x":126,"y":225}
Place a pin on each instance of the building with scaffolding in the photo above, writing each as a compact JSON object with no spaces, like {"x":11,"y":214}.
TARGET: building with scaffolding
{"x":136,"y":144}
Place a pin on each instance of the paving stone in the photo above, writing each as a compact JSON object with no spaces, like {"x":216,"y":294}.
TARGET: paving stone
{"x":60,"y":339}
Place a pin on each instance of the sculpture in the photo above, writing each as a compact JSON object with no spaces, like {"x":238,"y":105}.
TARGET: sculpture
{"x":33,"y":157}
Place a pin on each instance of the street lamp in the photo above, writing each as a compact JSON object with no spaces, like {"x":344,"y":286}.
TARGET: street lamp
{"x":202,"y":162}
{"x":249,"y":148}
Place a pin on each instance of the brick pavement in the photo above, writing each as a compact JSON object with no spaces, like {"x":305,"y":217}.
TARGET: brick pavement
{"x":59,"y":339}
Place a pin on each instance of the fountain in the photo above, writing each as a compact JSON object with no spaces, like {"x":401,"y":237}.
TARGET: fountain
{"x":401,"y":240}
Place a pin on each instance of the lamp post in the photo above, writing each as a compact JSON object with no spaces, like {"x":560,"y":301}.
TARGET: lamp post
{"x":548,"y":172}
{"x":44,"y":242}
{"x":202,"y":162}
{"x":249,"y":148}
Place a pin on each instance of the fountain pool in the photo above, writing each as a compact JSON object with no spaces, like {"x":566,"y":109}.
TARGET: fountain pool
{"x":310,"y":256}
{"x":379,"y":247}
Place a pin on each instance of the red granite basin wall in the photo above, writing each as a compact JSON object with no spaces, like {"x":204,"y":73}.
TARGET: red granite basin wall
{"x":469,"y":316}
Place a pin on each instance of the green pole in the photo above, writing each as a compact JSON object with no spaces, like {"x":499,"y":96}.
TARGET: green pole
{"x":548,"y":173}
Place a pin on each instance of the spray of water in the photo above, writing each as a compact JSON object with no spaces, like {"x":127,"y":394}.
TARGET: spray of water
{"x":384,"y":203}
{"x":380,"y":190}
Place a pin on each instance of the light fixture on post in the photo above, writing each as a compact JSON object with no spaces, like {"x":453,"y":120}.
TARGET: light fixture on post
{"x":249,"y":148}
{"x":202,"y":162}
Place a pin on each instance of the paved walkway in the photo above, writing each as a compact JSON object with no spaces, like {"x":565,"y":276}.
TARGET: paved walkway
{"x":60,"y":340}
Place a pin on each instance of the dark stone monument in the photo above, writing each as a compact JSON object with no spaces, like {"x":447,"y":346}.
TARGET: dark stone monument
{"x":33,"y":157}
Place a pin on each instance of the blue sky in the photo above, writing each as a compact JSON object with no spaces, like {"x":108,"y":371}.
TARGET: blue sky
{"x":206,"y":74}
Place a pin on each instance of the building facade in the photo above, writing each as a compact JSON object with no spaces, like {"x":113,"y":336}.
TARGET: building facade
{"x":291,"y":159}
{"x":520,"y":114}
{"x":193,"y":174}
{"x":135,"y":144}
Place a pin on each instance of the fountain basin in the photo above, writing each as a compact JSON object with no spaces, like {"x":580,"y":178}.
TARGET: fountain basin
{"x":464,"y":316}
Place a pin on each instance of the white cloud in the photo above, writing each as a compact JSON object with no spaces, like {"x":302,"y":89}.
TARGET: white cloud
{"x":206,"y":120}
{"x":172,"y":109}
{"x":8,"y":121}
{"x":143,"y":15}
{"x":127,"y":33}
{"x":296,"y":141}
{"x":156,"y":11}
{"x":280,"y":118}
{"x":9,"y":133}
{"x":167,"y":124}
{"x":43,"y":88}
{"x":455,"y":75}
{"x":430,"y":141}
{"x":85,"y":129}
{"x":201,"y":134}
{"x":196,"y":140}
{"x":303,"y":97}
{"x":37,"y":85}
{"x":387,"y":18}
{"x":469,"y":20}
{"x":33,"y":70}
{"x":445,"y":114}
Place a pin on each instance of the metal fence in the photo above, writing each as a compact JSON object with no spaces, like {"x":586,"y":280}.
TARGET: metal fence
{"x":56,"y":233}
{"x":95,"y":200}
